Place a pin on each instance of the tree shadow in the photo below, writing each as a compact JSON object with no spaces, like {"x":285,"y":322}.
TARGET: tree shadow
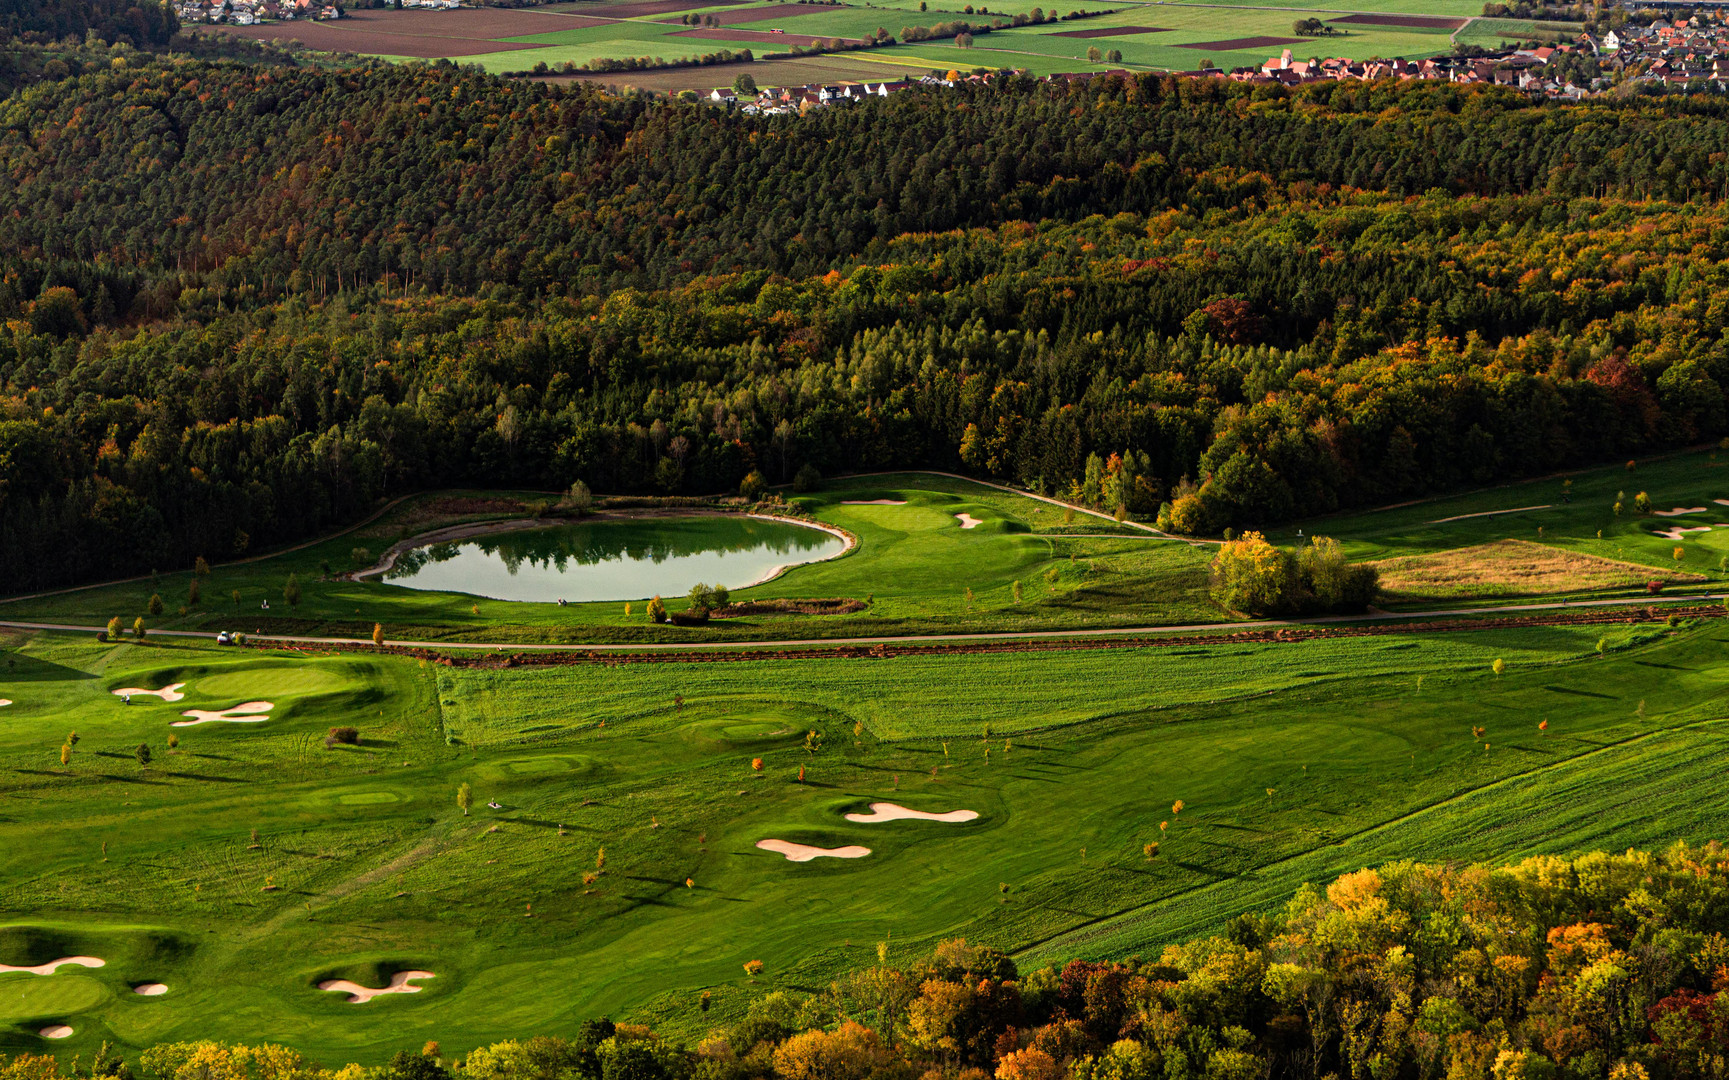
{"x":1579,"y":693}
{"x":21,"y":667}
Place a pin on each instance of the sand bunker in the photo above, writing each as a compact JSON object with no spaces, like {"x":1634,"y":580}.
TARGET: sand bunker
{"x":873,"y":502}
{"x":805,"y":853}
{"x":5,"y":702}
{"x":171,"y":692}
{"x":968,"y":521}
{"x":48,"y":968}
{"x":1679,"y":510}
{"x":360,"y":995}
{"x":55,"y":1031}
{"x":150,"y":989}
{"x":1675,"y":532}
{"x":888,"y":811}
{"x":252,"y":712}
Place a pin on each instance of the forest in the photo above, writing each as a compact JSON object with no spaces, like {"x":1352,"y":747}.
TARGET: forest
{"x":255,"y":296}
{"x":1547,"y":969}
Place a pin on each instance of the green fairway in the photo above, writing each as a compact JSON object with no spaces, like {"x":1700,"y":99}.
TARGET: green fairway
{"x":1295,"y":761}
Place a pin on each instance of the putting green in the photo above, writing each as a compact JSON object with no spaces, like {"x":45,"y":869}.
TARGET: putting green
{"x":273,"y":681}
{"x":32,"y":997}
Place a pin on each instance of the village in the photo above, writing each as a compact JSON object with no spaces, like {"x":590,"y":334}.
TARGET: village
{"x":253,"y":12}
{"x":1683,"y":52}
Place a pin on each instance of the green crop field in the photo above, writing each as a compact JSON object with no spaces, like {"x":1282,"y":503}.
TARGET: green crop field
{"x":252,"y":861}
{"x":1039,"y":50}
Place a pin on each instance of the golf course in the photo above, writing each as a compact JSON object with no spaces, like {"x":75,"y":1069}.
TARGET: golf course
{"x":349,"y":849}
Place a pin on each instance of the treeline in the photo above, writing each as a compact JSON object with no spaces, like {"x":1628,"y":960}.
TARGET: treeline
{"x":419,"y":276}
{"x":1602,"y":967}
{"x":144,"y":24}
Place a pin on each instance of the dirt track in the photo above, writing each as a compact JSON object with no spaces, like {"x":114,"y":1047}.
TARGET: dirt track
{"x":1267,"y":635}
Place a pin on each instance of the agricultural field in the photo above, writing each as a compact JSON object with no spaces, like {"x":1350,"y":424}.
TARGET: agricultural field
{"x":609,"y":861}
{"x":1150,"y":36}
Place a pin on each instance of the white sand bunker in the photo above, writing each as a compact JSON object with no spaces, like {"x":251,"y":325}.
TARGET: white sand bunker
{"x":1679,"y":510}
{"x":252,"y":712}
{"x":360,"y":995}
{"x":5,"y":702}
{"x":888,"y":811}
{"x":968,"y":521}
{"x":55,"y":1031}
{"x":1675,"y":532}
{"x":805,"y":853}
{"x":171,"y":692}
{"x":150,"y":989}
{"x":48,"y":968}
{"x":873,"y":502}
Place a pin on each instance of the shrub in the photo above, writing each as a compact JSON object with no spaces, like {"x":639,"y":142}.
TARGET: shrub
{"x":753,"y":484}
{"x":155,"y":605}
{"x":1335,"y":583}
{"x":347,"y":736}
{"x":657,"y":609}
{"x":808,"y":478}
{"x":705,"y":598}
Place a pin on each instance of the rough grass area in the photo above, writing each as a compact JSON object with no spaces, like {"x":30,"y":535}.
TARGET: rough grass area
{"x":1508,"y":568}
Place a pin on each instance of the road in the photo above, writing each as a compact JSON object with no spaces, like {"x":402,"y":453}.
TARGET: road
{"x":914,"y":639}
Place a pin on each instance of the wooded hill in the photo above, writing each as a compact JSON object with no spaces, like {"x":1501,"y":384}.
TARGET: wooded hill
{"x":249,"y":299}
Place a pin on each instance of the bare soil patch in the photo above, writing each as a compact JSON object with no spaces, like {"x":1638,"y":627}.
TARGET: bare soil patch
{"x":1511,"y":568}
{"x":1428,"y":22}
{"x":324,"y":37}
{"x":835,"y":606}
{"x":763,"y":36}
{"x":1111,"y":31}
{"x":643,"y":8}
{"x":793,"y":71}
{"x":1232,"y":44}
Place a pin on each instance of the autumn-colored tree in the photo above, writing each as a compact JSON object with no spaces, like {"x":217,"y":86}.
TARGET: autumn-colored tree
{"x":464,"y":798}
{"x":850,"y":1052}
{"x":378,"y":633}
{"x":1252,"y":576}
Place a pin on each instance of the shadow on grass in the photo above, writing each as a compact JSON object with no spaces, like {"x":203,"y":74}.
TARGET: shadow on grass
{"x":1581,"y":693}
{"x":25,"y":668}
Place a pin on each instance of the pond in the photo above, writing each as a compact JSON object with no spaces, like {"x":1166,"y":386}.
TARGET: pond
{"x":614,"y":560}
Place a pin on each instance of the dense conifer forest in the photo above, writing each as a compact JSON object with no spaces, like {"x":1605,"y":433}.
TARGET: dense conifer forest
{"x":244,"y":300}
